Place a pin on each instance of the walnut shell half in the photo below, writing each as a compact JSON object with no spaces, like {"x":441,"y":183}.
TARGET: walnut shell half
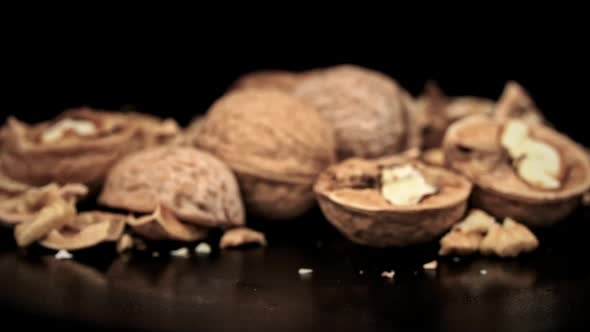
{"x":196,"y":186}
{"x":276,"y":145}
{"x":371,"y":114}
{"x":281,"y":80}
{"x":350,"y":198}
{"x":78,"y":146}
{"x":472,"y":147}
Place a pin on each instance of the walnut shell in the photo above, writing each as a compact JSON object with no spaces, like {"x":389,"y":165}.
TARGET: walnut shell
{"x":196,"y":186}
{"x":438,"y":111}
{"x":25,"y":157}
{"x":516,"y":103}
{"x":371,"y":114}
{"x":349,"y":197}
{"x":268,"y":79}
{"x":276,"y":145}
{"x":472,"y":147}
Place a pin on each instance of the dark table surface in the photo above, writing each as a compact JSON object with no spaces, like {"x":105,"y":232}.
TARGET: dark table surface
{"x":260,"y":288}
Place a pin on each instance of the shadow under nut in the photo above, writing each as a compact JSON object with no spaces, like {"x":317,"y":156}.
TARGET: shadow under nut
{"x":391,"y":228}
{"x":545,"y":213}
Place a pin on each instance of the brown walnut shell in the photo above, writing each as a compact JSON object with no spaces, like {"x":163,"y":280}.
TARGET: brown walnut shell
{"x":268,"y":79}
{"x":438,"y":111}
{"x":472,"y":147}
{"x":371,"y":114}
{"x":350,"y":198}
{"x":84,"y":159}
{"x":516,"y":103}
{"x":276,"y":145}
{"x":196,"y":186}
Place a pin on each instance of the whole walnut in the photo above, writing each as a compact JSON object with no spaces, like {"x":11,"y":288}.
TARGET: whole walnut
{"x":193,"y":185}
{"x":371,"y":114}
{"x":80,"y":145}
{"x":276,"y":145}
{"x":268,"y":79}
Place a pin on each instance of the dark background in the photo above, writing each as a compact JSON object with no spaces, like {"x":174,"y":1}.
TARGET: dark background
{"x":179,"y":75}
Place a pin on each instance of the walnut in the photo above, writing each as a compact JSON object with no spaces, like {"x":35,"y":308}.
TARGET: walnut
{"x":508,"y":240}
{"x":237,"y":237}
{"x":350,"y":196}
{"x":194,"y":185}
{"x":86,"y":230}
{"x":276,"y":145}
{"x":516,"y":103}
{"x":465,"y":237}
{"x":371,"y":114}
{"x":438,"y":111}
{"x":80,"y":145}
{"x":163,"y":225}
{"x":476,"y":221}
{"x":473,"y":147}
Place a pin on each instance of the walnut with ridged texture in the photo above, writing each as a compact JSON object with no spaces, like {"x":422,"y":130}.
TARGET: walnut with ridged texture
{"x":275,"y":144}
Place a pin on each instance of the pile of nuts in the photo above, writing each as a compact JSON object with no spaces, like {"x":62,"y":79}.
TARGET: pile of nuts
{"x":386,"y":169}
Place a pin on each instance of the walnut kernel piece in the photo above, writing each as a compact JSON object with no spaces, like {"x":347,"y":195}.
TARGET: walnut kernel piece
{"x":61,"y":128}
{"x":477,"y":221}
{"x":434,"y":157}
{"x":237,"y":237}
{"x":460,"y":243}
{"x":404,"y":185}
{"x":125,"y":243}
{"x":509,"y":240}
{"x":53,"y":216}
{"x":537,"y":162}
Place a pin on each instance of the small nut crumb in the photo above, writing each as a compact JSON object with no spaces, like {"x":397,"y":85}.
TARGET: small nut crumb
{"x":430,"y":265}
{"x":203,"y":249}
{"x":305,"y":271}
{"x":63,"y":254}
{"x":361,"y":272}
{"x":456,"y":259}
{"x":155,"y":254}
{"x":180,"y":252}
{"x":240,"y":236}
{"x":139,"y":244}
{"x":388,"y":274}
{"x":483,"y":272}
{"x":125,"y":243}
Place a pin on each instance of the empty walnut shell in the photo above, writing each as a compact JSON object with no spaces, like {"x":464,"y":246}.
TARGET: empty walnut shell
{"x":472,"y":147}
{"x":350,"y":198}
{"x":371,"y":114}
{"x":268,"y":79}
{"x":196,"y":186}
{"x":86,"y":230}
{"x":28,"y":154}
{"x":438,"y":111}
{"x":276,"y":145}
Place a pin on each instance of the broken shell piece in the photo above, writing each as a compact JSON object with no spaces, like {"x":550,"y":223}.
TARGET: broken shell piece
{"x":508,"y":240}
{"x":473,"y":147}
{"x":350,"y":197}
{"x":237,"y":237}
{"x":53,"y":216}
{"x":86,"y":230}
{"x":477,"y":221}
{"x":194,"y":185}
{"x":163,"y":225}
{"x":430,"y":265}
{"x":516,"y":103}
{"x":11,"y":187}
{"x":388,"y":274}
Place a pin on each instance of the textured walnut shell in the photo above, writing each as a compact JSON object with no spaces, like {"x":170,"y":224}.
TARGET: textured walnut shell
{"x":25,"y":158}
{"x":162,"y":224}
{"x":276,"y":145}
{"x":371,"y":114}
{"x":349,"y":197}
{"x":86,"y":230}
{"x":472,"y":147}
{"x":268,"y":79}
{"x":196,"y":186}
{"x":438,"y":111}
